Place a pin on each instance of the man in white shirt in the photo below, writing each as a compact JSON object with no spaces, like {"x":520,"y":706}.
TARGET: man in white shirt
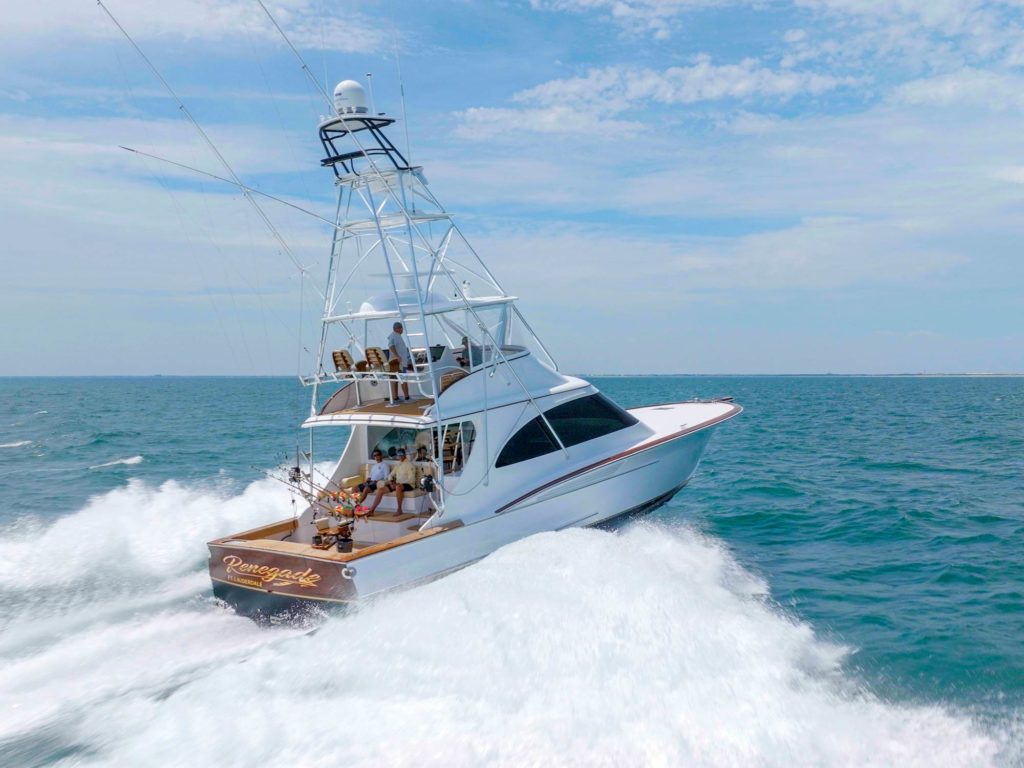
{"x":400,"y":352}
{"x":379,"y":472}
{"x":404,"y":477}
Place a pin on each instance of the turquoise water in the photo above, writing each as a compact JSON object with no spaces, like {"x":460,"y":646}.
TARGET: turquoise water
{"x":842,"y":583}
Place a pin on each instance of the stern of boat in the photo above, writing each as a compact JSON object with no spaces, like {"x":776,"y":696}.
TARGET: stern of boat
{"x":259,"y":573}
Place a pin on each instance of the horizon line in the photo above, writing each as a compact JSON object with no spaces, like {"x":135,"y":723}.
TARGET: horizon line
{"x":923,"y":375}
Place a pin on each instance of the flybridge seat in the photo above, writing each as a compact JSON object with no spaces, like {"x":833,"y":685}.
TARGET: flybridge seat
{"x":343,"y":362}
{"x":376,"y":359}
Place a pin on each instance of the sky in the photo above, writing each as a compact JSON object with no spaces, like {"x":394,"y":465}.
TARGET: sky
{"x":670,"y":186}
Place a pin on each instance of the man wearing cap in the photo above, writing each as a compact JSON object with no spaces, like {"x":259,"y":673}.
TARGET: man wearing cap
{"x":404,"y":476}
{"x":378,"y":474}
{"x":399,"y":351}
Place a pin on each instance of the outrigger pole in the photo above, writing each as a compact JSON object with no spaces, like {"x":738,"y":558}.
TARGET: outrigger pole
{"x":209,"y":142}
{"x":235,"y":184}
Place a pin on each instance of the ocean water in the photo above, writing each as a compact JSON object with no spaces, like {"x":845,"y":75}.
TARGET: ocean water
{"x":841,"y":584}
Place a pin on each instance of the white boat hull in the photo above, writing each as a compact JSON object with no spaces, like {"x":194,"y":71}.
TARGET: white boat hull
{"x":632,"y":482}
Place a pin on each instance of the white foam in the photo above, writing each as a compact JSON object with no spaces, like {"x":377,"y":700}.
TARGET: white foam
{"x":576,"y":648}
{"x":129,"y":461}
{"x":17,"y":444}
{"x":133,"y":659}
{"x":135,"y":536}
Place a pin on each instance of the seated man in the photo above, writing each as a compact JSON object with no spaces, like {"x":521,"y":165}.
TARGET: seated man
{"x":404,"y":476}
{"x":421,"y":454}
{"x":378,"y":473}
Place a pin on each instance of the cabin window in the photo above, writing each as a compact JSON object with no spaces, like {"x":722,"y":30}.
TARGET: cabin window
{"x":575,"y":422}
{"x":531,"y":441}
{"x":587,"y":418}
{"x":388,"y":441}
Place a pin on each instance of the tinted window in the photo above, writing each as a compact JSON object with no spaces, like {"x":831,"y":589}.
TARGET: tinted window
{"x":531,"y":441}
{"x":587,"y":418}
{"x":576,"y":421}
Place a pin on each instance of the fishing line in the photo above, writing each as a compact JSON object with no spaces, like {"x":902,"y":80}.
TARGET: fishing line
{"x":306,"y":69}
{"x":179,"y":213}
{"x":240,"y":274}
{"x":213,"y":148}
{"x":239,"y":185}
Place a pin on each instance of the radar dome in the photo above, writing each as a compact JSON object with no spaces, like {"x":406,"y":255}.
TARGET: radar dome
{"x":349,"y":98}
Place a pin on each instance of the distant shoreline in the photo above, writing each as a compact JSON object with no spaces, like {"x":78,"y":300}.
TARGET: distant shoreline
{"x":585,"y":375}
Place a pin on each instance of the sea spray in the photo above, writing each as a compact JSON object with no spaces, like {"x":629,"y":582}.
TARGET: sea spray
{"x":649,"y":647}
{"x":135,"y":535}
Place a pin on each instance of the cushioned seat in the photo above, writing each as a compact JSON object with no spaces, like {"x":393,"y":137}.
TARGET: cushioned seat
{"x":375,"y":359}
{"x":343,"y":362}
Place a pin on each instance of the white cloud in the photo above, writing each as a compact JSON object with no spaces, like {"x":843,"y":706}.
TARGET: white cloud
{"x":596,"y":103}
{"x":489,"y":122}
{"x":203,"y":20}
{"x":654,"y":17}
{"x":101,"y":245}
{"x":815,"y":254}
{"x":821,"y":253}
{"x":847,"y":32}
{"x":619,"y":88}
{"x":1013,"y":174}
{"x":920,"y":33}
{"x":967,"y":87}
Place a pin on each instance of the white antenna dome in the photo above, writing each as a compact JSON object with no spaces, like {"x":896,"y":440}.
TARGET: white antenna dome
{"x":349,"y":98}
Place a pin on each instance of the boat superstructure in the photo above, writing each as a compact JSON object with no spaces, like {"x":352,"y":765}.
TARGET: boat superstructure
{"x":503,"y":445}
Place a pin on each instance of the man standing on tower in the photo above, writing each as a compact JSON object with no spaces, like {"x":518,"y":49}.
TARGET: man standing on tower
{"x":400,"y":352}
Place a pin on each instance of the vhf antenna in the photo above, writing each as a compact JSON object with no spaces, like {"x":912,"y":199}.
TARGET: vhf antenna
{"x":369,"y":87}
{"x":401,"y":93}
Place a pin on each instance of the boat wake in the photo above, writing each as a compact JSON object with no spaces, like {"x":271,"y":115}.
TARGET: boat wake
{"x":650,"y":646}
{"x":130,"y":461}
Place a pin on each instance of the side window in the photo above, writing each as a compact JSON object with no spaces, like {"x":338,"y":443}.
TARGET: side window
{"x":587,"y":418}
{"x":531,"y":441}
{"x":575,"y":422}
{"x":458,"y":444}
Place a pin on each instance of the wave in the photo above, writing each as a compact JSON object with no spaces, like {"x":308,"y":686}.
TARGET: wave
{"x":132,"y":537}
{"x":17,"y":444}
{"x":128,"y":461}
{"x":582,"y":647}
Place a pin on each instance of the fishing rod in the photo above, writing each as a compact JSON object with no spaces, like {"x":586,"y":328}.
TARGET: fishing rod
{"x":312,"y":498}
{"x":209,"y":143}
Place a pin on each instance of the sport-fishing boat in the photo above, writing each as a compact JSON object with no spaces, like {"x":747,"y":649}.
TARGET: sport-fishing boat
{"x":496,"y":443}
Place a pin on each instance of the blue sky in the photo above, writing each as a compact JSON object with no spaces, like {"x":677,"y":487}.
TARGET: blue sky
{"x":691,"y":186}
